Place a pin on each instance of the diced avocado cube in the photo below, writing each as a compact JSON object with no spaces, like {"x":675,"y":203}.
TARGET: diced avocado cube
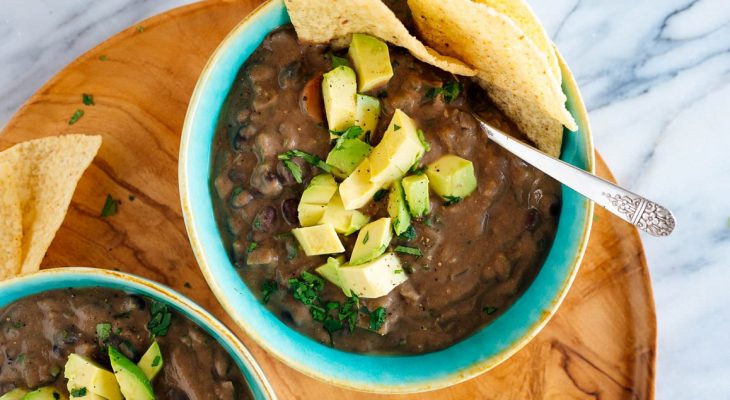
{"x":375,"y":278}
{"x":344,"y":221}
{"x":372,"y":241}
{"x":151,"y":362}
{"x":397,"y":151}
{"x":82,"y":372}
{"x":330,"y":271}
{"x":370,"y":57}
{"x":132,"y":381}
{"x":15,"y":394}
{"x":347,"y":156}
{"x":397,"y":209}
{"x":45,"y":393}
{"x":310,"y":214}
{"x":367,"y":113}
{"x":314,"y":199}
{"x":415,"y":188}
{"x":339,"y":87}
{"x":357,"y":190}
{"x":452,"y":177}
{"x":320,"y":190}
{"x":319,"y":239}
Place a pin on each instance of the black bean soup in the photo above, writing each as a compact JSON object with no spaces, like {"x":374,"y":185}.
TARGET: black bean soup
{"x":38,"y":333}
{"x":478,"y":255}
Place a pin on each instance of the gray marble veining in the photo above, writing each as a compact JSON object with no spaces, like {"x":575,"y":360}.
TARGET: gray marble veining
{"x":655,"y":76}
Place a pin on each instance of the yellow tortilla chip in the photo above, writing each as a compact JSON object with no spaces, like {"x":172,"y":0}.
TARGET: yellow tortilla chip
{"x":46,"y":172}
{"x":323,"y":21}
{"x":516,"y":74}
{"x":11,"y":223}
{"x":522,"y":15}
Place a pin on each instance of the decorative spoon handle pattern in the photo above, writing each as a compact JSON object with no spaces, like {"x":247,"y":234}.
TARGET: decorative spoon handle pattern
{"x":645,"y":214}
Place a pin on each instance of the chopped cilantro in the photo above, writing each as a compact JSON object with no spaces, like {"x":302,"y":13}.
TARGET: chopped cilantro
{"x":377,"y":318}
{"x":414,"y":251}
{"x":366,"y":238}
{"x":450,"y":91}
{"x":80,"y":392}
{"x":396,"y":127}
{"x":348,"y":313}
{"x":88,"y":99}
{"x":295,"y":170}
{"x":20,"y":358}
{"x":307,"y":288}
{"x":267,"y":289}
{"x":251,"y":247}
{"x":161,"y":317}
{"x":103,"y":57}
{"x":352,"y":132}
{"x":489,"y":310}
{"x":111,"y":206}
{"x":103,"y":331}
{"x":118,"y":331}
{"x":451,"y":200}
{"x":156,"y":361}
{"x":409,"y":234}
{"x":309,"y":158}
{"x":338,"y":61}
{"x":76,"y":116}
{"x":380,"y":194}
{"x":140,"y":28}
{"x":422,"y":139}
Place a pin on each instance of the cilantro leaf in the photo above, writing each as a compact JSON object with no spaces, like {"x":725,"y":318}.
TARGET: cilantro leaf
{"x":377,"y":318}
{"x":451,"y":200}
{"x":450,"y":91}
{"x":87,"y":99}
{"x":76,"y":116}
{"x":352,"y":132}
{"x":380,"y":194}
{"x":409,"y":234}
{"x":80,"y":392}
{"x":338,"y":61}
{"x":422,"y":139}
{"x":103,"y":331}
{"x":160,"y":320}
{"x":414,"y":251}
{"x":267,"y":289}
{"x":311,"y":159}
{"x":295,"y":170}
{"x":111,"y":206}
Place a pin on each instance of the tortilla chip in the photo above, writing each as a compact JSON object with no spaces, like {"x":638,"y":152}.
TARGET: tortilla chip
{"x":522,"y":15}
{"x":323,"y":21}
{"x":516,"y":74}
{"x":46,"y":172}
{"x":11,"y":223}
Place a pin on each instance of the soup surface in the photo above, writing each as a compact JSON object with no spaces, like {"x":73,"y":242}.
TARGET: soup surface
{"x":38,"y":333}
{"x":478,"y":255}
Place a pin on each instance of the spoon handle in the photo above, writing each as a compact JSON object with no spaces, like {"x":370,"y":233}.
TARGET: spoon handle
{"x":645,"y":214}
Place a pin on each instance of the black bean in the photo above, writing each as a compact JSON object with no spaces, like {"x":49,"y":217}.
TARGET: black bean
{"x":265,"y":219}
{"x":290,"y":74}
{"x":555,"y":209}
{"x":237,"y":175}
{"x":532,"y":219}
{"x":289,"y":211}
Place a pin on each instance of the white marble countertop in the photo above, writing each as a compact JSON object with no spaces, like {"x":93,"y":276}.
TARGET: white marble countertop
{"x":655,"y":76}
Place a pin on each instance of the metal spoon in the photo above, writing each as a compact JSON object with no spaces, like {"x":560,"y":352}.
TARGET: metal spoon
{"x":645,"y":214}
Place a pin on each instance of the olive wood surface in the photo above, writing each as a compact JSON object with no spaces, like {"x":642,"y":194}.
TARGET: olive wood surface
{"x":600,"y":344}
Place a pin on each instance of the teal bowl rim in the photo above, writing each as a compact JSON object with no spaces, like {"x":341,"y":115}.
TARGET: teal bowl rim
{"x":392,"y":374}
{"x":82,"y":277}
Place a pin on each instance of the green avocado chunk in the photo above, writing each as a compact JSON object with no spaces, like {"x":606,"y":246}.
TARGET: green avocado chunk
{"x":452,"y":177}
{"x":339,"y":87}
{"x":415,"y":188}
{"x":132,"y":380}
{"x":372,"y":241}
{"x":371,"y":60}
{"x":347,"y":156}
{"x":397,"y":209}
{"x":15,"y":394}
{"x":45,"y":393}
{"x":151,"y":362}
{"x":367,"y":113}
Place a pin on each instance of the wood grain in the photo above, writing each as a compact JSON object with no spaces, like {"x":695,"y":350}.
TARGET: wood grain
{"x":601,"y":344}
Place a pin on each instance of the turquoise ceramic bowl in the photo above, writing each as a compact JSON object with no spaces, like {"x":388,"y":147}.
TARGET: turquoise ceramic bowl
{"x":375,"y":373}
{"x":64,"y":278}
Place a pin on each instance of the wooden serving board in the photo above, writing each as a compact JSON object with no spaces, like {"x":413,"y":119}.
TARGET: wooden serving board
{"x":601,"y":344}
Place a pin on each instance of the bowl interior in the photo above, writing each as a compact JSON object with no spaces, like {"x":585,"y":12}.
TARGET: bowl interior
{"x":64,"y":278}
{"x":377,"y":373}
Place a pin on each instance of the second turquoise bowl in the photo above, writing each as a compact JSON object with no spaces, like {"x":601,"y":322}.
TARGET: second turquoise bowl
{"x":374,"y":373}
